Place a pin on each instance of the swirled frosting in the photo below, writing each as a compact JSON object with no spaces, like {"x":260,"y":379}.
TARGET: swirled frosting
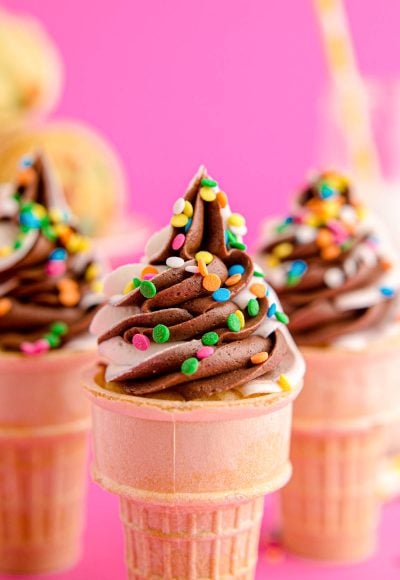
{"x":199,"y":319}
{"x":49,"y":279}
{"x":333,"y":273}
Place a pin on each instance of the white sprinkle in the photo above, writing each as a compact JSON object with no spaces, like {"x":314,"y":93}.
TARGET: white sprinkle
{"x":350,"y":267}
{"x":334,"y":277}
{"x":192,"y":269}
{"x":175,"y":262}
{"x":367,"y":255}
{"x":178,"y":206}
{"x":348,"y":214}
{"x":305,"y":234}
{"x":238,"y":230}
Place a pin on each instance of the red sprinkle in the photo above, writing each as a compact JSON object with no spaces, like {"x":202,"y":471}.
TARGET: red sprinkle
{"x":205,"y":352}
{"x":140,"y":341}
{"x":178,"y":241}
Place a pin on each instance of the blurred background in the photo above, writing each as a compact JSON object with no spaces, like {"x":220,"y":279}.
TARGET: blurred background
{"x":242,"y":87}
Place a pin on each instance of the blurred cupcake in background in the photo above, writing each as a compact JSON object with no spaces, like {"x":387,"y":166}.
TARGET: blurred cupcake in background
{"x":30,"y":71}
{"x":49,"y":291}
{"x":339,"y":283}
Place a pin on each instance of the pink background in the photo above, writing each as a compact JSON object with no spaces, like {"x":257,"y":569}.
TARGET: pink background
{"x":234,"y":85}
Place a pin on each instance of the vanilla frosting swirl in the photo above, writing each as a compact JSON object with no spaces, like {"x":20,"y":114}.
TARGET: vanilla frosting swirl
{"x":195,"y":318}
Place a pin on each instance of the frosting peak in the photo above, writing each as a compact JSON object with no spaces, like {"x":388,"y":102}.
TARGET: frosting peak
{"x":331,"y":270}
{"x":199,"y":318}
{"x":49,"y":280}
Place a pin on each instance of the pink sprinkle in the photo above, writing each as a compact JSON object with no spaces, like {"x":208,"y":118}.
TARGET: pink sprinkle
{"x":28,"y":347}
{"x":55,"y":268}
{"x":140,"y":341}
{"x":178,"y":241}
{"x":41,"y":346}
{"x":148,"y":276}
{"x":205,"y":352}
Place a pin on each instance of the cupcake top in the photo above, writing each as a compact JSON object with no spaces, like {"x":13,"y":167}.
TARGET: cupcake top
{"x":197,"y":319}
{"x":332,"y":271}
{"x":49,"y":279}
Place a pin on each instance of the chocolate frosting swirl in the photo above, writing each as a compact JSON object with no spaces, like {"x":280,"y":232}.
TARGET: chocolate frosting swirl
{"x":328,"y":266}
{"x":189,"y":293}
{"x":49,"y":280}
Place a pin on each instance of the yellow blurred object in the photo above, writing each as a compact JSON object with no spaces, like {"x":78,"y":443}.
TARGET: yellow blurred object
{"x":30,"y":71}
{"x":87,"y":167}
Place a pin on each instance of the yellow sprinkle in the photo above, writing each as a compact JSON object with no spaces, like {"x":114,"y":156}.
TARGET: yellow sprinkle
{"x":73,"y":243}
{"x":188,"y":209}
{"x":235,"y":219}
{"x":313,"y":221}
{"x":283,"y":382}
{"x":207,"y":194}
{"x":92,"y":272}
{"x":5,"y":251}
{"x":61,"y":229}
{"x":56,"y":215}
{"x":128,"y":288}
{"x":240,"y":315}
{"x":97,"y":287}
{"x":84,"y":244}
{"x":283,"y":250}
{"x":361,"y":212}
{"x":39,"y":211}
{"x":207,"y":257}
{"x":179,"y":221}
{"x":272,"y":261}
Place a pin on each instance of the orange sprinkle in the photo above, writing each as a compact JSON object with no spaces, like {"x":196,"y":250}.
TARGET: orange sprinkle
{"x":69,"y":297}
{"x":211,"y":282}
{"x":26,"y":176}
{"x":259,"y":358}
{"x":202,"y":267}
{"x":324,"y":238}
{"x":67,"y":284}
{"x":330,"y":252}
{"x":232,"y":280}
{"x":148,"y":270}
{"x":258,"y":290}
{"x":386,"y":265}
{"x":222,"y":199}
{"x":5,"y":306}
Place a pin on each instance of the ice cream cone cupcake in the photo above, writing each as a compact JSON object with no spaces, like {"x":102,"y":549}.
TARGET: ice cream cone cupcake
{"x":48,"y":295}
{"x":30,"y":71}
{"x":192,"y":408}
{"x":339,"y":285}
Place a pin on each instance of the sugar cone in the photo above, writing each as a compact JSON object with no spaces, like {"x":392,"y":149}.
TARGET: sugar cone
{"x":191,"y":477}
{"x":331,"y":508}
{"x":44,"y":421}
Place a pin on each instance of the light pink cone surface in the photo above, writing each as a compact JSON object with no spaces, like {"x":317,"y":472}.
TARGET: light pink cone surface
{"x":44,"y":421}
{"x":191,"y":478}
{"x":330,"y":508}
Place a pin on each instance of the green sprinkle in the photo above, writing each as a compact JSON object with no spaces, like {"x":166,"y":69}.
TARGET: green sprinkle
{"x":208,"y":182}
{"x":49,"y":232}
{"x":293,"y":280}
{"x":161,"y":333}
{"x":238,"y":246}
{"x":148,"y":289}
{"x":233,"y":322}
{"x":282,"y":317}
{"x":231,"y":237}
{"x":53,"y":340}
{"x":258,"y":274}
{"x":17,"y":244}
{"x":17,"y":196}
{"x":210,"y":338}
{"x":346,"y":245}
{"x":282,"y":227}
{"x":136,"y":282}
{"x":190,"y":366}
{"x":59,"y":328}
{"x":253,"y":307}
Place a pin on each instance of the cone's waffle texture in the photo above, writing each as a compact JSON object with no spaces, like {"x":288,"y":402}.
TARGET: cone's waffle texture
{"x":44,"y":422}
{"x":191,"y":477}
{"x":330,"y":508}
{"x":213,"y":542}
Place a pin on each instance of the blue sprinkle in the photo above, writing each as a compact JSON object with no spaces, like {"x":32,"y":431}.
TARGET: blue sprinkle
{"x":226,"y":237}
{"x":58,"y":254}
{"x":236,"y":269}
{"x":187,"y":226}
{"x":298,"y":268}
{"x":221,"y":295}
{"x":387,"y":291}
{"x":26,"y":161}
{"x":271,"y":310}
{"x":29,"y":220}
{"x":326,"y":192}
{"x":289,"y":220}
